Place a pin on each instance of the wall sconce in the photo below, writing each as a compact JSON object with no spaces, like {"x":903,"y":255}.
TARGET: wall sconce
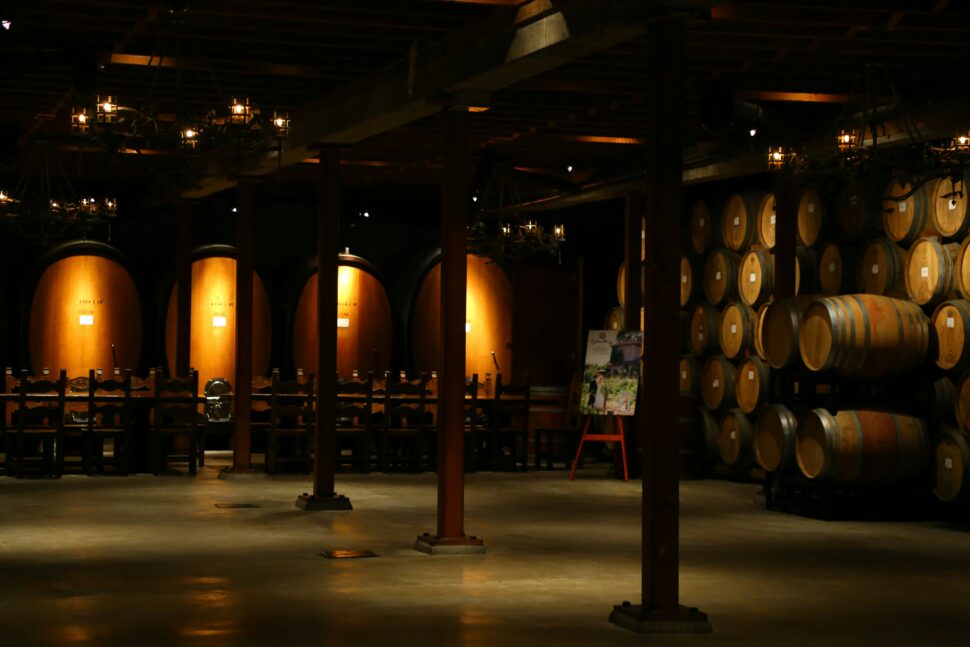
{"x":107,"y":109}
{"x":778,"y":157}
{"x":531,"y":227}
{"x":190,"y":137}
{"x":281,"y":124}
{"x":559,"y":232}
{"x":219,"y":321}
{"x":79,"y":120}
{"x":506,"y":229}
{"x":846,"y":140}
{"x":240,"y":113}
{"x":86,"y":319}
{"x":961,"y":143}
{"x":343,"y":322}
{"x":111,"y":206}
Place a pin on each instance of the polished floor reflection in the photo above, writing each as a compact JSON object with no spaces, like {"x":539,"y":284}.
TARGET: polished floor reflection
{"x":152,"y":561}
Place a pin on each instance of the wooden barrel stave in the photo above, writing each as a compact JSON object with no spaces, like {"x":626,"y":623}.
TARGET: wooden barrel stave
{"x":950,"y":332}
{"x":930,"y":271}
{"x":948,"y":206}
{"x":906,"y":211}
{"x":690,"y":280}
{"x":736,"y":330}
{"x":881,"y":269}
{"x":756,"y":277}
{"x":835,"y":269}
{"x":857,"y":215}
{"x":952,"y":462}
{"x":810,"y":218}
{"x":735,"y":438}
{"x":752,"y":384}
{"x":704,"y":230}
{"x":704,"y":324}
{"x":779,"y":330}
{"x":721,"y":276}
{"x":766,"y":220}
{"x":740,"y":220}
{"x":689,"y":374}
{"x":717,"y":383}
{"x":962,"y":269}
{"x":775,"y":432}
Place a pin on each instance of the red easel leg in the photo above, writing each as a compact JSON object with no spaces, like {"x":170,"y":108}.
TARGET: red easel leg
{"x":579,"y":450}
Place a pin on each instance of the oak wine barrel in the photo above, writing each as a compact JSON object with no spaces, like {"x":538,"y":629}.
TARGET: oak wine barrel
{"x":858,"y":215}
{"x":756,"y":277}
{"x":937,"y":398}
{"x":734,"y":439}
{"x":488,"y":319}
{"x":615,"y":319}
{"x":962,"y":269}
{"x":704,"y":326}
{"x":689,"y":374}
{"x":85,"y":312}
{"x":690,"y":280}
{"x":861,"y":446}
{"x":962,"y":408}
{"x":721,"y":276}
{"x":906,"y":217}
{"x":740,"y":220}
{"x":951,"y":479}
{"x":805,"y":273}
{"x":950,"y":332}
{"x":621,"y":282}
{"x":736,"y":330}
{"x":704,"y":230}
{"x":759,"y":347}
{"x":752,"y":384}
{"x":930,"y":271}
{"x":810,"y":217}
{"x":948,"y":206}
{"x":709,"y":432}
{"x":775,"y":433}
{"x":365,"y":330}
{"x":766,"y":221}
{"x":779,"y":331}
{"x":212,"y":347}
{"x":863,"y":335}
{"x":835,"y":273}
{"x":717,"y":383}
{"x":882,"y":269}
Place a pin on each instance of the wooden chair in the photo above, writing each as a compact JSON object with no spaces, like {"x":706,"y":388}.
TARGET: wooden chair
{"x":406,"y":428}
{"x":561,"y":442}
{"x":175,"y":421}
{"x":476,"y":422}
{"x":291,"y":424}
{"x":38,"y":424}
{"x":355,"y":409}
{"x":259,"y":413}
{"x":73,"y":456}
{"x":508,"y":434}
{"x":109,"y":418}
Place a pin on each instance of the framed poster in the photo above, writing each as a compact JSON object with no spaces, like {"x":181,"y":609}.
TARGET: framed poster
{"x":611,"y":373}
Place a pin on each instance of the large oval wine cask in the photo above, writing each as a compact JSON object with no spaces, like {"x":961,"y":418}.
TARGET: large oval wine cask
{"x":863,"y":335}
{"x":740,"y":220}
{"x":689,"y":374}
{"x":779,"y":330}
{"x":951,"y":335}
{"x":736,"y":330}
{"x":810,"y":218}
{"x":704,"y":230}
{"x":766,"y":221}
{"x":704,"y":326}
{"x":948,"y":206}
{"x":734,"y":439}
{"x":85,"y":312}
{"x":212,"y":346}
{"x":756,"y":278}
{"x":858,"y":216}
{"x":835,"y":269}
{"x":861,"y":446}
{"x":951,"y":480}
{"x":906,"y":211}
{"x":488,"y":317}
{"x":690,"y":280}
{"x":930,"y":271}
{"x":721,"y":276}
{"x":775,"y":432}
{"x":752,"y":383}
{"x":717,"y":383}
{"x":882,"y":269}
{"x":365,"y":330}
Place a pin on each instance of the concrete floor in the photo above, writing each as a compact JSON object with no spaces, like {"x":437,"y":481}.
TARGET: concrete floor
{"x":149,"y":560}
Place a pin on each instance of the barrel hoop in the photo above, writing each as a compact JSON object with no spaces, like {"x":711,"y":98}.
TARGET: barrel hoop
{"x":860,"y":446}
{"x":867,"y":340}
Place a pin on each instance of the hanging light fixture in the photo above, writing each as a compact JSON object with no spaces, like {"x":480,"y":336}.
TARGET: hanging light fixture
{"x":281,"y":124}
{"x":961,"y":143}
{"x":847,"y":140}
{"x":79,"y":120}
{"x":189,"y":137}
{"x":559,"y":232}
{"x":779,"y":157}
{"x":240,"y":112}
{"x":107,"y":109}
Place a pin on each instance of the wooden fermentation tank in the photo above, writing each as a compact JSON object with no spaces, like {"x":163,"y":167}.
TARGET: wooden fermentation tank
{"x":84,"y":303}
{"x":213,"y":330}
{"x":365,"y":329}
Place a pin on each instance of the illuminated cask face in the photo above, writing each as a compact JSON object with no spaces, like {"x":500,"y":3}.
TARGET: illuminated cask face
{"x":213,"y":333}
{"x":488,"y":319}
{"x":365,"y":330}
{"x":82,"y":305}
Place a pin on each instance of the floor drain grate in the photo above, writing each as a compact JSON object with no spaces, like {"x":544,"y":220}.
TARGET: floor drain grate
{"x":236,"y":505}
{"x":348,"y":554}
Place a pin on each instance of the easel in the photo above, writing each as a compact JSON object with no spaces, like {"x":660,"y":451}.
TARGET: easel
{"x":601,"y":437}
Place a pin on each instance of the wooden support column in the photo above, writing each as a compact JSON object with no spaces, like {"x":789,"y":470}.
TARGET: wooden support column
{"x":243,"y":385}
{"x":183,"y":278}
{"x":324,"y":496}
{"x":786,"y":233}
{"x":450,"y":536}
{"x":660,"y":610}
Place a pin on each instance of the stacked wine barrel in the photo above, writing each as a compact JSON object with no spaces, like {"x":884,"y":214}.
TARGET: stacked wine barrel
{"x":883,"y":297}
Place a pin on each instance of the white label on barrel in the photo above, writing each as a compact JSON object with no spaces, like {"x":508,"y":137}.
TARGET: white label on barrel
{"x":717,"y":276}
{"x":734,"y":329}
{"x":924,"y":272}
{"x":732,"y":435}
{"x":772,"y":219}
{"x":700,"y":222}
{"x":948,"y":463}
{"x":875,"y":269}
{"x":752,"y":277}
{"x":683,"y":279}
{"x":737,"y":221}
{"x":811,"y":207}
{"x":700,"y":336}
{"x":751,"y":375}
{"x":716,"y":384}
{"x":952,"y":205}
{"x":832,"y":267}
{"x":683,"y":375}
{"x":950,"y":322}
{"x":902,"y":207}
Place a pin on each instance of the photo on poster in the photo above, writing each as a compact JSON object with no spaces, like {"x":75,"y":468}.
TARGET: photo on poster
{"x":611,"y":373}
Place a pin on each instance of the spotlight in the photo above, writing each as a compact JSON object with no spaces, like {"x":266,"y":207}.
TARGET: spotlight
{"x":6,"y":24}
{"x":753,"y":132}
{"x":569,"y":169}
{"x":235,"y":210}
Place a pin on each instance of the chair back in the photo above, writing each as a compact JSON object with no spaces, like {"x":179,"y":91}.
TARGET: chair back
{"x":40,"y":403}
{"x":291,"y":403}
{"x":357,"y":406}
{"x":511,"y":406}
{"x":405,"y":402}
{"x":176,"y":400}
{"x":109,"y":400}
